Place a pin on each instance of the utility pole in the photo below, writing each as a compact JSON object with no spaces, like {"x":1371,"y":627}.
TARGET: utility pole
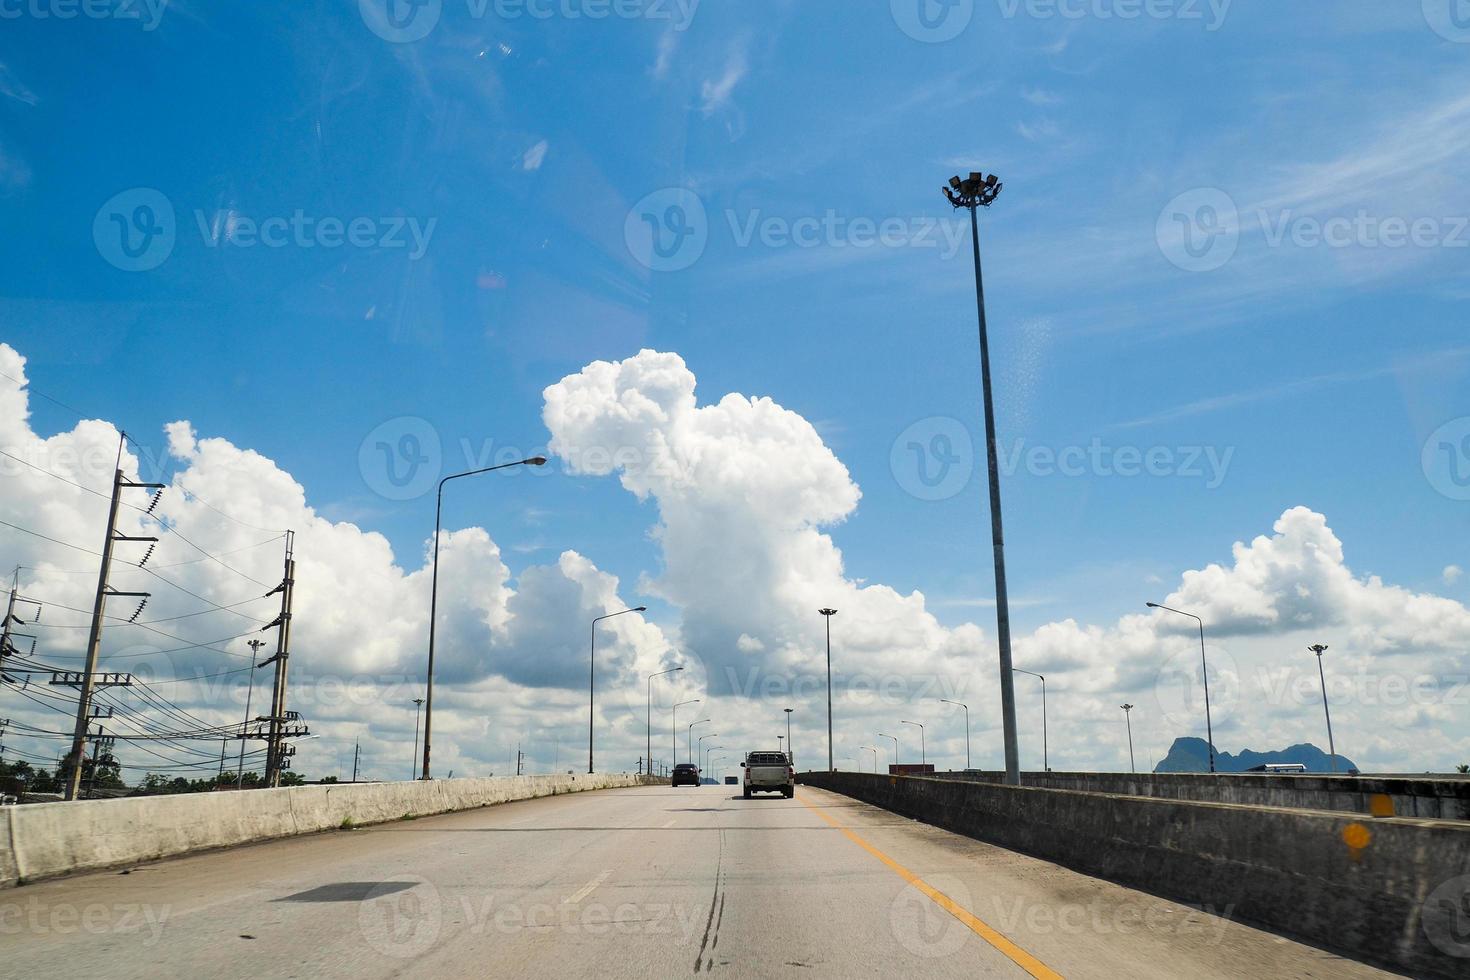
{"x":88,"y":681}
{"x":356,"y":751}
{"x":276,"y":732}
{"x":7,"y":634}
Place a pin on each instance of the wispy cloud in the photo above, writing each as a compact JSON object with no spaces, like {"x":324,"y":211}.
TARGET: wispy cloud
{"x":715,"y":94}
{"x":668,"y":42}
{"x":1203,"y":406}
{"x":535,"y":156}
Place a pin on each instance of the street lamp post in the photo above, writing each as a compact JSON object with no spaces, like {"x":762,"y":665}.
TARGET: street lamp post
{"x":827,"y":614}
{"x":789,"y":749}
{"x":674,"y":729}
{"x":1204,"y":674}
{"x":708,"y":751}
{"x":923,"y":752}
{"x":869,"y":748}
{"x":434,"y":591}
{"x":689,"y":739}
{"x":967,"y":727}
{"x":1319,"y":649}
{"x":895,"y":746}
{"x":979,"y":191}
{"x":591,"y":674}
{"x":648,"y":752}
{"x":1045,"y":761}
{"x":1128,"y":720}
{"x":418,"y":710}
{"x":700,"y":751}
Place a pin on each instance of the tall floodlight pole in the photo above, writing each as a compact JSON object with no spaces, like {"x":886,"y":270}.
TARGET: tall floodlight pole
{"x":591,"y":675}
{"x":1128,"y":720}
{"x":1045,"y":761}
{"x":923,"y":752}
{"x":434,"y":590}
{"x":789,"y":750}
{"x":1204,"y":674}
{"x":674,"y":729}
{"x":967,"y":727}
{"x":827,"y":614}
{"x":979,"y":191}
{"x":648,"y":752}
{"x":255,"y":646}
{"x":1319,"y":649}
{"x":418,"y":710}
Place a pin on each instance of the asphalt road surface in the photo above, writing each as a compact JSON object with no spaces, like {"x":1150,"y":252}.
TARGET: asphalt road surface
{"x":650,"y":882}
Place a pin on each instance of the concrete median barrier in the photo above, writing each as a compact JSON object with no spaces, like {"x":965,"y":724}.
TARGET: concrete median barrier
{"x":1389,"y":890}
{"x":45,"y":840}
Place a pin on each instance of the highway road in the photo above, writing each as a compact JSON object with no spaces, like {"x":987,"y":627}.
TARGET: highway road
{"x":650,"y":882}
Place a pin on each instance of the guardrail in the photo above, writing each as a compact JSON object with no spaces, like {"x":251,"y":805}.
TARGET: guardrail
{"x":1389,"y":890}
{"x":45,"y":840}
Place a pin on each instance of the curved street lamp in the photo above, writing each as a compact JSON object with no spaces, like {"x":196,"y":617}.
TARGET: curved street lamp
{"x":869,"y":748}
{"x":1045,"y":762}
{"x":1204,"y":673}
{"x":895,"y":746}
{"x":923,"y":752}
{"x":648,"y":751}
{"x":967,"y":727}
{"x":591,"y":671}
{"x":674,"y":728}
{"x":689,"y":741}
{"x":699,"y":750}
{"x":434,"y":590}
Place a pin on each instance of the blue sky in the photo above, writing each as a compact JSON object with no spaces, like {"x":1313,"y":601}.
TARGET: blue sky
{"x":526,"y":150}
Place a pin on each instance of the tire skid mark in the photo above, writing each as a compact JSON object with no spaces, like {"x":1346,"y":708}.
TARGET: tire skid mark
{"x":716,"y":903}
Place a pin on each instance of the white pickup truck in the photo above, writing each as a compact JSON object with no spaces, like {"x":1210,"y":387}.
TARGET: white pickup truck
{"x":768,"y":772}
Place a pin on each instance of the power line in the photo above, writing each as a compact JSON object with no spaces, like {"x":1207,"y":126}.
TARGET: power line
{"x":38,"y":534}
{"x":30,"y":389}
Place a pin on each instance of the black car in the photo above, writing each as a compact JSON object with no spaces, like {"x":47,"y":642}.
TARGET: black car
{"x":685,"y":774}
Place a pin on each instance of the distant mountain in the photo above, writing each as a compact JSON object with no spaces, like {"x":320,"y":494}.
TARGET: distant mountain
{"x":1193,"y":755}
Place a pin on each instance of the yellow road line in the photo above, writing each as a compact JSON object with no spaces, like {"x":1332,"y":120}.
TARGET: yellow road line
{"x":992,"y":936}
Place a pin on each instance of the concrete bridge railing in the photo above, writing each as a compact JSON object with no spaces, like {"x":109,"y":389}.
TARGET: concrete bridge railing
{"x":1398,"y":796}
{"x":1390,"y":890}
{"x":44,"y":840}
